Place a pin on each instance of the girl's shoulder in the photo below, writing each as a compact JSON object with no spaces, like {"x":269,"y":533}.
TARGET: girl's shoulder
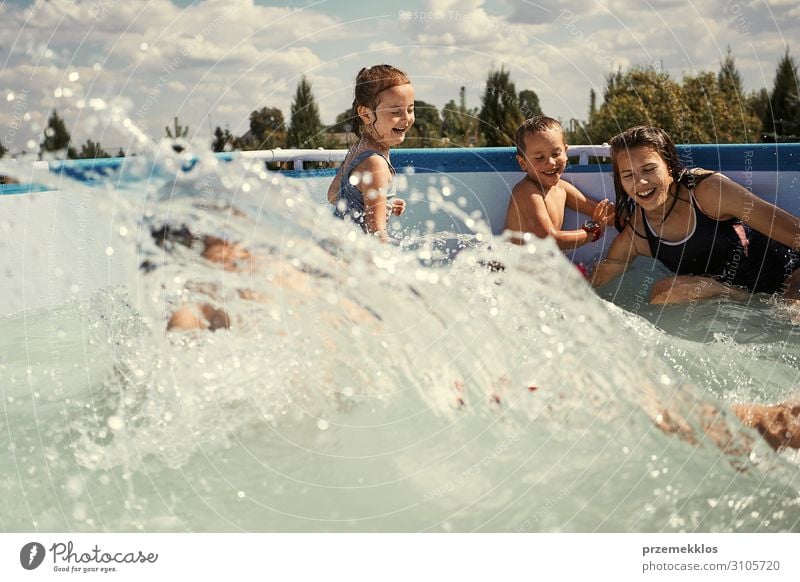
{"x":691,"y":178}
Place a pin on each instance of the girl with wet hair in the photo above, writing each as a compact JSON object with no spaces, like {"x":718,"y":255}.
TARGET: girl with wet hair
{"x":716,"y":236}
{"x":383,"y":111}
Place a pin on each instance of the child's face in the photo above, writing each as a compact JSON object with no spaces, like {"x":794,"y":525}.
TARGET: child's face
{"x":545,"y":156}
{"x":645,"y":176}
{"x":393,"y":115}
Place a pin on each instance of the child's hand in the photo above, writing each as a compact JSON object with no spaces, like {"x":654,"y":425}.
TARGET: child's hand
{"x":398,"y":206}
{"x":604,"y":212}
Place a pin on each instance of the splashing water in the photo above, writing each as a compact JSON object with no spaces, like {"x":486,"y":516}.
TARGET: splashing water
{"x":369,"y":387}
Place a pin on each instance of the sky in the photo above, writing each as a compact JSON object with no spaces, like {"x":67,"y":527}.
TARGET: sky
{"x":120,"y":70}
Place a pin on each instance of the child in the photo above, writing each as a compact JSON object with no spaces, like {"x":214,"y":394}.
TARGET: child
{"x":538,"y":200}
{"x":383,"y":111}
{"x":717,"y":237}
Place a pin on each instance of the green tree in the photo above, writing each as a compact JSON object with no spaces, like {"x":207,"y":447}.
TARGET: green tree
{"x":121,"y":153}
{"x":305,"y":127}
{"x":427,"y":129}
{"x":500,"y":114}
{"x":641,"y":96}
{"x":728,"y":78}
{"x":92,"y":150}
{"x":344,"y":122}
{"x":529,"y":104}
{"x":758,"y":102}
{"x":223,"y":140}
{"x":178,"y":131}
{"x":267,"y":130}
{"x":717,"y":112}
{"x":460,"y":123}
{"x":704,"y":108}
{"x":735,"y":117}
{"x":3,"y":150}
{"x":57,"y":138}
{"x":782,"y":118}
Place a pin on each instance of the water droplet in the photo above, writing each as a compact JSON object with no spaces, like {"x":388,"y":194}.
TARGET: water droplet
{"x":143,"y":47}
{"x":115,"y":423}
{"x":323,"y":424}
{"x":109,"y":251}
{"x":240,"y":494}
{"x":74,"y":76}
{"x":74,"y":486}
{"x":79,"y":512}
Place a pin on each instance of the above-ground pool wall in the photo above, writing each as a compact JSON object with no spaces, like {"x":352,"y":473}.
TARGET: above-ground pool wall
{"x":56,"y":247}
{"x":479,"y":183}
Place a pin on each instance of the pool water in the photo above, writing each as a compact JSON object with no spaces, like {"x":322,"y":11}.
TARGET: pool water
{"x":369,"y":387}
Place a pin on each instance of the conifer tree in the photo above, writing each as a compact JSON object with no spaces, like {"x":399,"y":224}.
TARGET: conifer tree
{"x":305,"y":127}
{"x":57,"y":138}
{"x":460,"y":123}
{"x":92,"y":150}
{"x":500,"y":113}
{"x":782,"y":118}
{"x":529,"y":104}
{"x":729,"y":79}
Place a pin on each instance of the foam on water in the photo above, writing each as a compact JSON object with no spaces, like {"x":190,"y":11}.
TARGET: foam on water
{"x":369,"y":387}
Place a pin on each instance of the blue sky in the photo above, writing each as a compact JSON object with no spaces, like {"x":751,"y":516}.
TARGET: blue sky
{"x":211,"y":62}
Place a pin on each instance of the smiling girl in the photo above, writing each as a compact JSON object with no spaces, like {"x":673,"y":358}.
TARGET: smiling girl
{"x":717,"y":237}
{"x":383,"y":111}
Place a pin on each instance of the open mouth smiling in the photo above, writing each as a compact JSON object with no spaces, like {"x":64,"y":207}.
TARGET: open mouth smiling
{"x":646,"y":194}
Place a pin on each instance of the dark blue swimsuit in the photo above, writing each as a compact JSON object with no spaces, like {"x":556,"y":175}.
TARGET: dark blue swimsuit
{"x":350,"y":200}
{"x":725,"y":250}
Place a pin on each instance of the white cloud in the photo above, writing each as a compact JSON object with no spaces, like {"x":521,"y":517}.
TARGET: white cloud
{"x":220,"y":59}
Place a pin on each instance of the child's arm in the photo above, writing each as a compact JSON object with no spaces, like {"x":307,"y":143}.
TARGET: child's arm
{"x":333,"y":189}
{"x":602,"y":211}
{"x":373,"y":184}
{"x":620,"y":256}
{"x":527,"y":212}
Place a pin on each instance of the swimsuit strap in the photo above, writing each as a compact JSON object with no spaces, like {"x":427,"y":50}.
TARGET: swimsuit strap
{"x":358,"y":159}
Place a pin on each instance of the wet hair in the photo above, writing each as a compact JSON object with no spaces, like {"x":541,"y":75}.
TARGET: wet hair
{"x":648,"y":137}
{"x":532,"y":126}
{"x":370,"y":82}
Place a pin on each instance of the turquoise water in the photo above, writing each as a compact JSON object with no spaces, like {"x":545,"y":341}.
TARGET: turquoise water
{"x":378,"y":388}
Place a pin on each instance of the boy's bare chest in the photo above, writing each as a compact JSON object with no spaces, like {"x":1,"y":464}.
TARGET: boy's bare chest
{"x":555,"y":202}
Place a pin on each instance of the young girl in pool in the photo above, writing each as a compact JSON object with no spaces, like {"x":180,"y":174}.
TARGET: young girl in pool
{"x":383,"y":111}
{"x":717,"y":237}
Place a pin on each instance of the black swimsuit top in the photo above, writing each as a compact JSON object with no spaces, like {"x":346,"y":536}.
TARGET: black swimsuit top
{"x":707,"y":250}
